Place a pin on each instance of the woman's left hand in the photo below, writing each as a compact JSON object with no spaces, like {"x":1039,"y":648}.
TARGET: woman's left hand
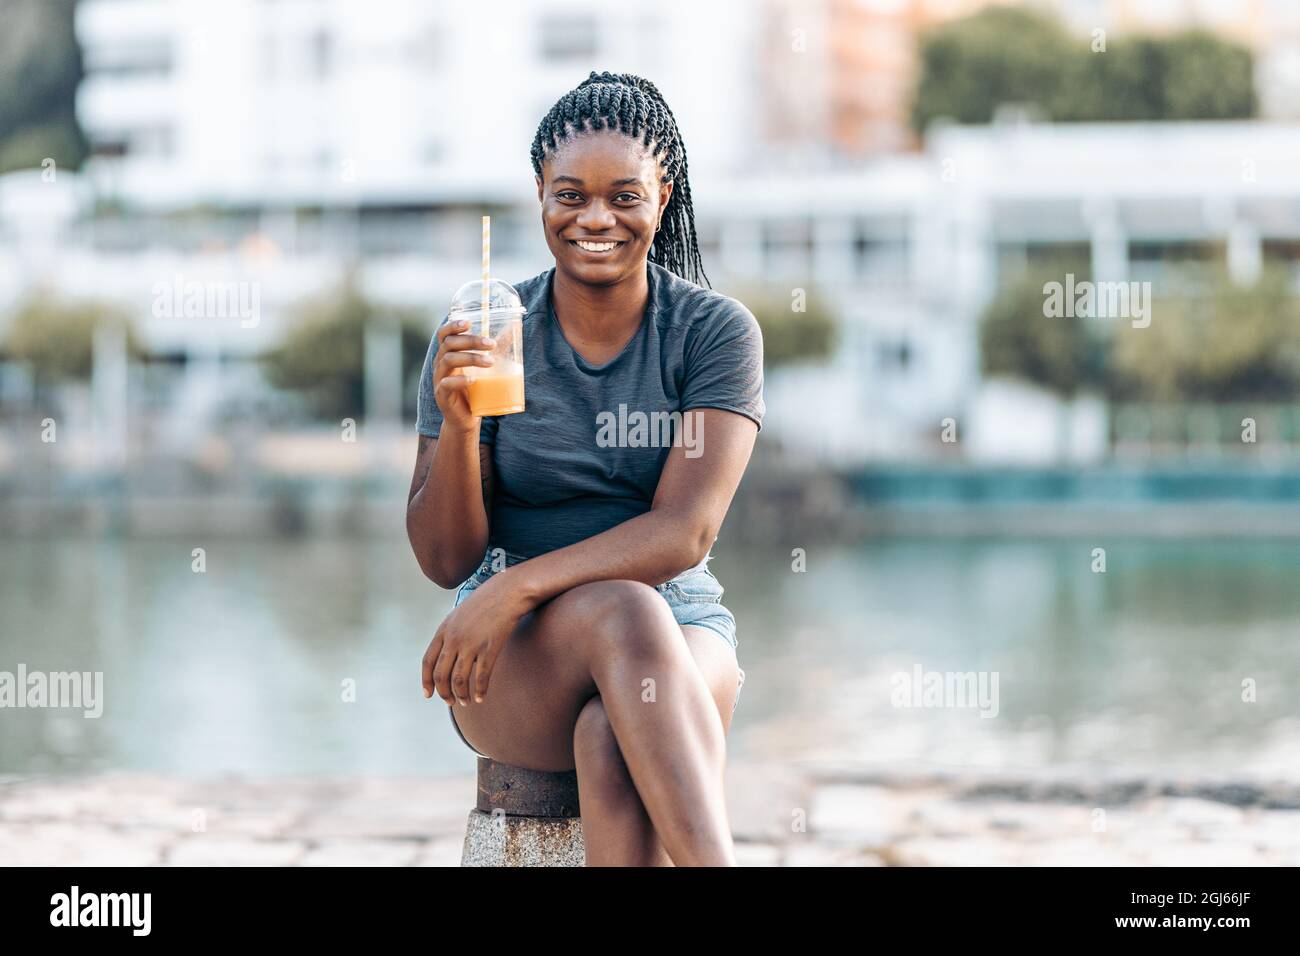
{"x":470,"y":638}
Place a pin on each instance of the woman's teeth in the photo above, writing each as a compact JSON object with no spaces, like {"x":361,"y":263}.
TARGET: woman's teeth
{"x":595,"y":246}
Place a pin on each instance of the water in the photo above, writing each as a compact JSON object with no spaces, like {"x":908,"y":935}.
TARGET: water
{"x":247,"y":667}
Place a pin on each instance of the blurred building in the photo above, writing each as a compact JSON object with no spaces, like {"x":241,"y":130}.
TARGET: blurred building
{"x":336,"y":136}
{"x":388,"y":103}
{"x":274,"y":142}
{"x":328,"y":102}
{"x":908,"y":251}
{"x":841,"y":73}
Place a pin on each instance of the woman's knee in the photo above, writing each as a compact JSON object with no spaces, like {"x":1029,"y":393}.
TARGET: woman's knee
{"x":593,"y":735}
{"x":603,"y":772}
{"x":625,"y":616}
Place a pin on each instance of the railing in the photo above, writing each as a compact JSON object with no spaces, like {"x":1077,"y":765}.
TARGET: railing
{"x":1205,"y":431}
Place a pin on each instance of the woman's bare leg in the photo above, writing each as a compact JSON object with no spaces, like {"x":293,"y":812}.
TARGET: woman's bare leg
{"x":616,"y":828}
{"x":617,"y":639}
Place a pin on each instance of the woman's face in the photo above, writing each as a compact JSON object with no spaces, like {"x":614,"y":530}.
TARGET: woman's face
{"x":601,"y":187}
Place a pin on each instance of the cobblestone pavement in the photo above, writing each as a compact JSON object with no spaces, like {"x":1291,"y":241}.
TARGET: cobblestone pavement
{"x":781,"y":816}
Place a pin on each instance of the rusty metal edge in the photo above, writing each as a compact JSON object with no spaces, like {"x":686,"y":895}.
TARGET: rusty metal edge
{"x":520,"y":792}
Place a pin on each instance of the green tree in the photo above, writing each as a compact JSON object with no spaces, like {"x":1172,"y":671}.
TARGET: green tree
{"x":1207,"y":78}
{"x":1238,"y":343}
{"x":40,"y":68}
{"x":323,"y":355}
{"x":789,"y":336}
{"x":998,"y":55}
{"x":1124,"y":83}
{"x":971,"y":66}
{"x":55,"y":336}
{"x":1017,"y":340}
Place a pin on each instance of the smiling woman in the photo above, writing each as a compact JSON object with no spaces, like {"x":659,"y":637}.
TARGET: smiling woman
{"x":588,"y":632}
{"x":651,"y":145}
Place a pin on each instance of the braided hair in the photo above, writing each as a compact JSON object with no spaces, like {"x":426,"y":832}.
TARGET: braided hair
{"x":634,"y":106}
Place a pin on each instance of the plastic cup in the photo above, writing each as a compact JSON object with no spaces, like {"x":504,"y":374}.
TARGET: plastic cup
{"x":496,"y":389}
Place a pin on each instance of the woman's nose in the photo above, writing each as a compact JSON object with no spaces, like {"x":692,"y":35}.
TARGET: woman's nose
{"x":596,"y":215}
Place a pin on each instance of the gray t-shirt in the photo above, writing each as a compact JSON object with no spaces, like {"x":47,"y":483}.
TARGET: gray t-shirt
{"x":587,"y":452}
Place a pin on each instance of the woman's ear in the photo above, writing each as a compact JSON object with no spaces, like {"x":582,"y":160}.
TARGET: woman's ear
{"x":665,"y":194}
{"x":539,"y":187}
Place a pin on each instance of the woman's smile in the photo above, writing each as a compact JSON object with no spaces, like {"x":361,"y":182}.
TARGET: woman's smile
{"x":602,"y":197}
{"x":597,"y":248}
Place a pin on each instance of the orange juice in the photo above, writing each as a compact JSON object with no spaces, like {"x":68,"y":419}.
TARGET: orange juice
{"x":493,"y":392}
{"x":496,"y":389}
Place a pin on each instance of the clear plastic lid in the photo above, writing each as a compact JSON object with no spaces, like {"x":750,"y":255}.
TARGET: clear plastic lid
{"x":502,"y":298}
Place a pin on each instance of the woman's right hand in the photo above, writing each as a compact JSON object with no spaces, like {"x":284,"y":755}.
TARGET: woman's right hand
{"x":450,"y":389}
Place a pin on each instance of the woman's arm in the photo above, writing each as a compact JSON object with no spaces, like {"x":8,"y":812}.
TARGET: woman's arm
{"x":690,"y":502}
{"x":447,"y":510}
{"x":448,"y":530}
{"x":675,"y":534}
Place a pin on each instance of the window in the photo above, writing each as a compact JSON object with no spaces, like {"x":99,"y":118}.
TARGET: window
{"x":787,"y":246}
{"x":709,"y":237}
{"x":156,"y":141}
{"x":425,"y":49}
{"x":149,"y":141}
{"x":893,"y":357}
{"x":567,"y":37}
{"x":104,"y":143}
{"x":322,"y":54}
{"x":130,"y":59}
{"x":269,"y":56}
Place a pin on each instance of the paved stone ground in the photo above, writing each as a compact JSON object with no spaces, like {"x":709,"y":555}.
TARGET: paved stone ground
{"x":781,"y":815}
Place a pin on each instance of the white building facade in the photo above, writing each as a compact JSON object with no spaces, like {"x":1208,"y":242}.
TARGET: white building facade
{"x":278,"y":142}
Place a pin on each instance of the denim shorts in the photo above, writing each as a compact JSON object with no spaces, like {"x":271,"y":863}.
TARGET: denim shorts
{"x":694,"y":596}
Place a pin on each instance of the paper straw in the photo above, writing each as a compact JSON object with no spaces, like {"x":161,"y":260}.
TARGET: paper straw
{"x":487,"y":259}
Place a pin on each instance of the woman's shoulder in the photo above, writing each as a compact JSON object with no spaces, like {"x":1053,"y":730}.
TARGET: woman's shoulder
{"x":689,"y":307}
{"x":532,"y":292}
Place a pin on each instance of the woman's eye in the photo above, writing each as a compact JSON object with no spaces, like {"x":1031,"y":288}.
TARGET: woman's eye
{"x":629,"y":197}
{"x":567,"y":193}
